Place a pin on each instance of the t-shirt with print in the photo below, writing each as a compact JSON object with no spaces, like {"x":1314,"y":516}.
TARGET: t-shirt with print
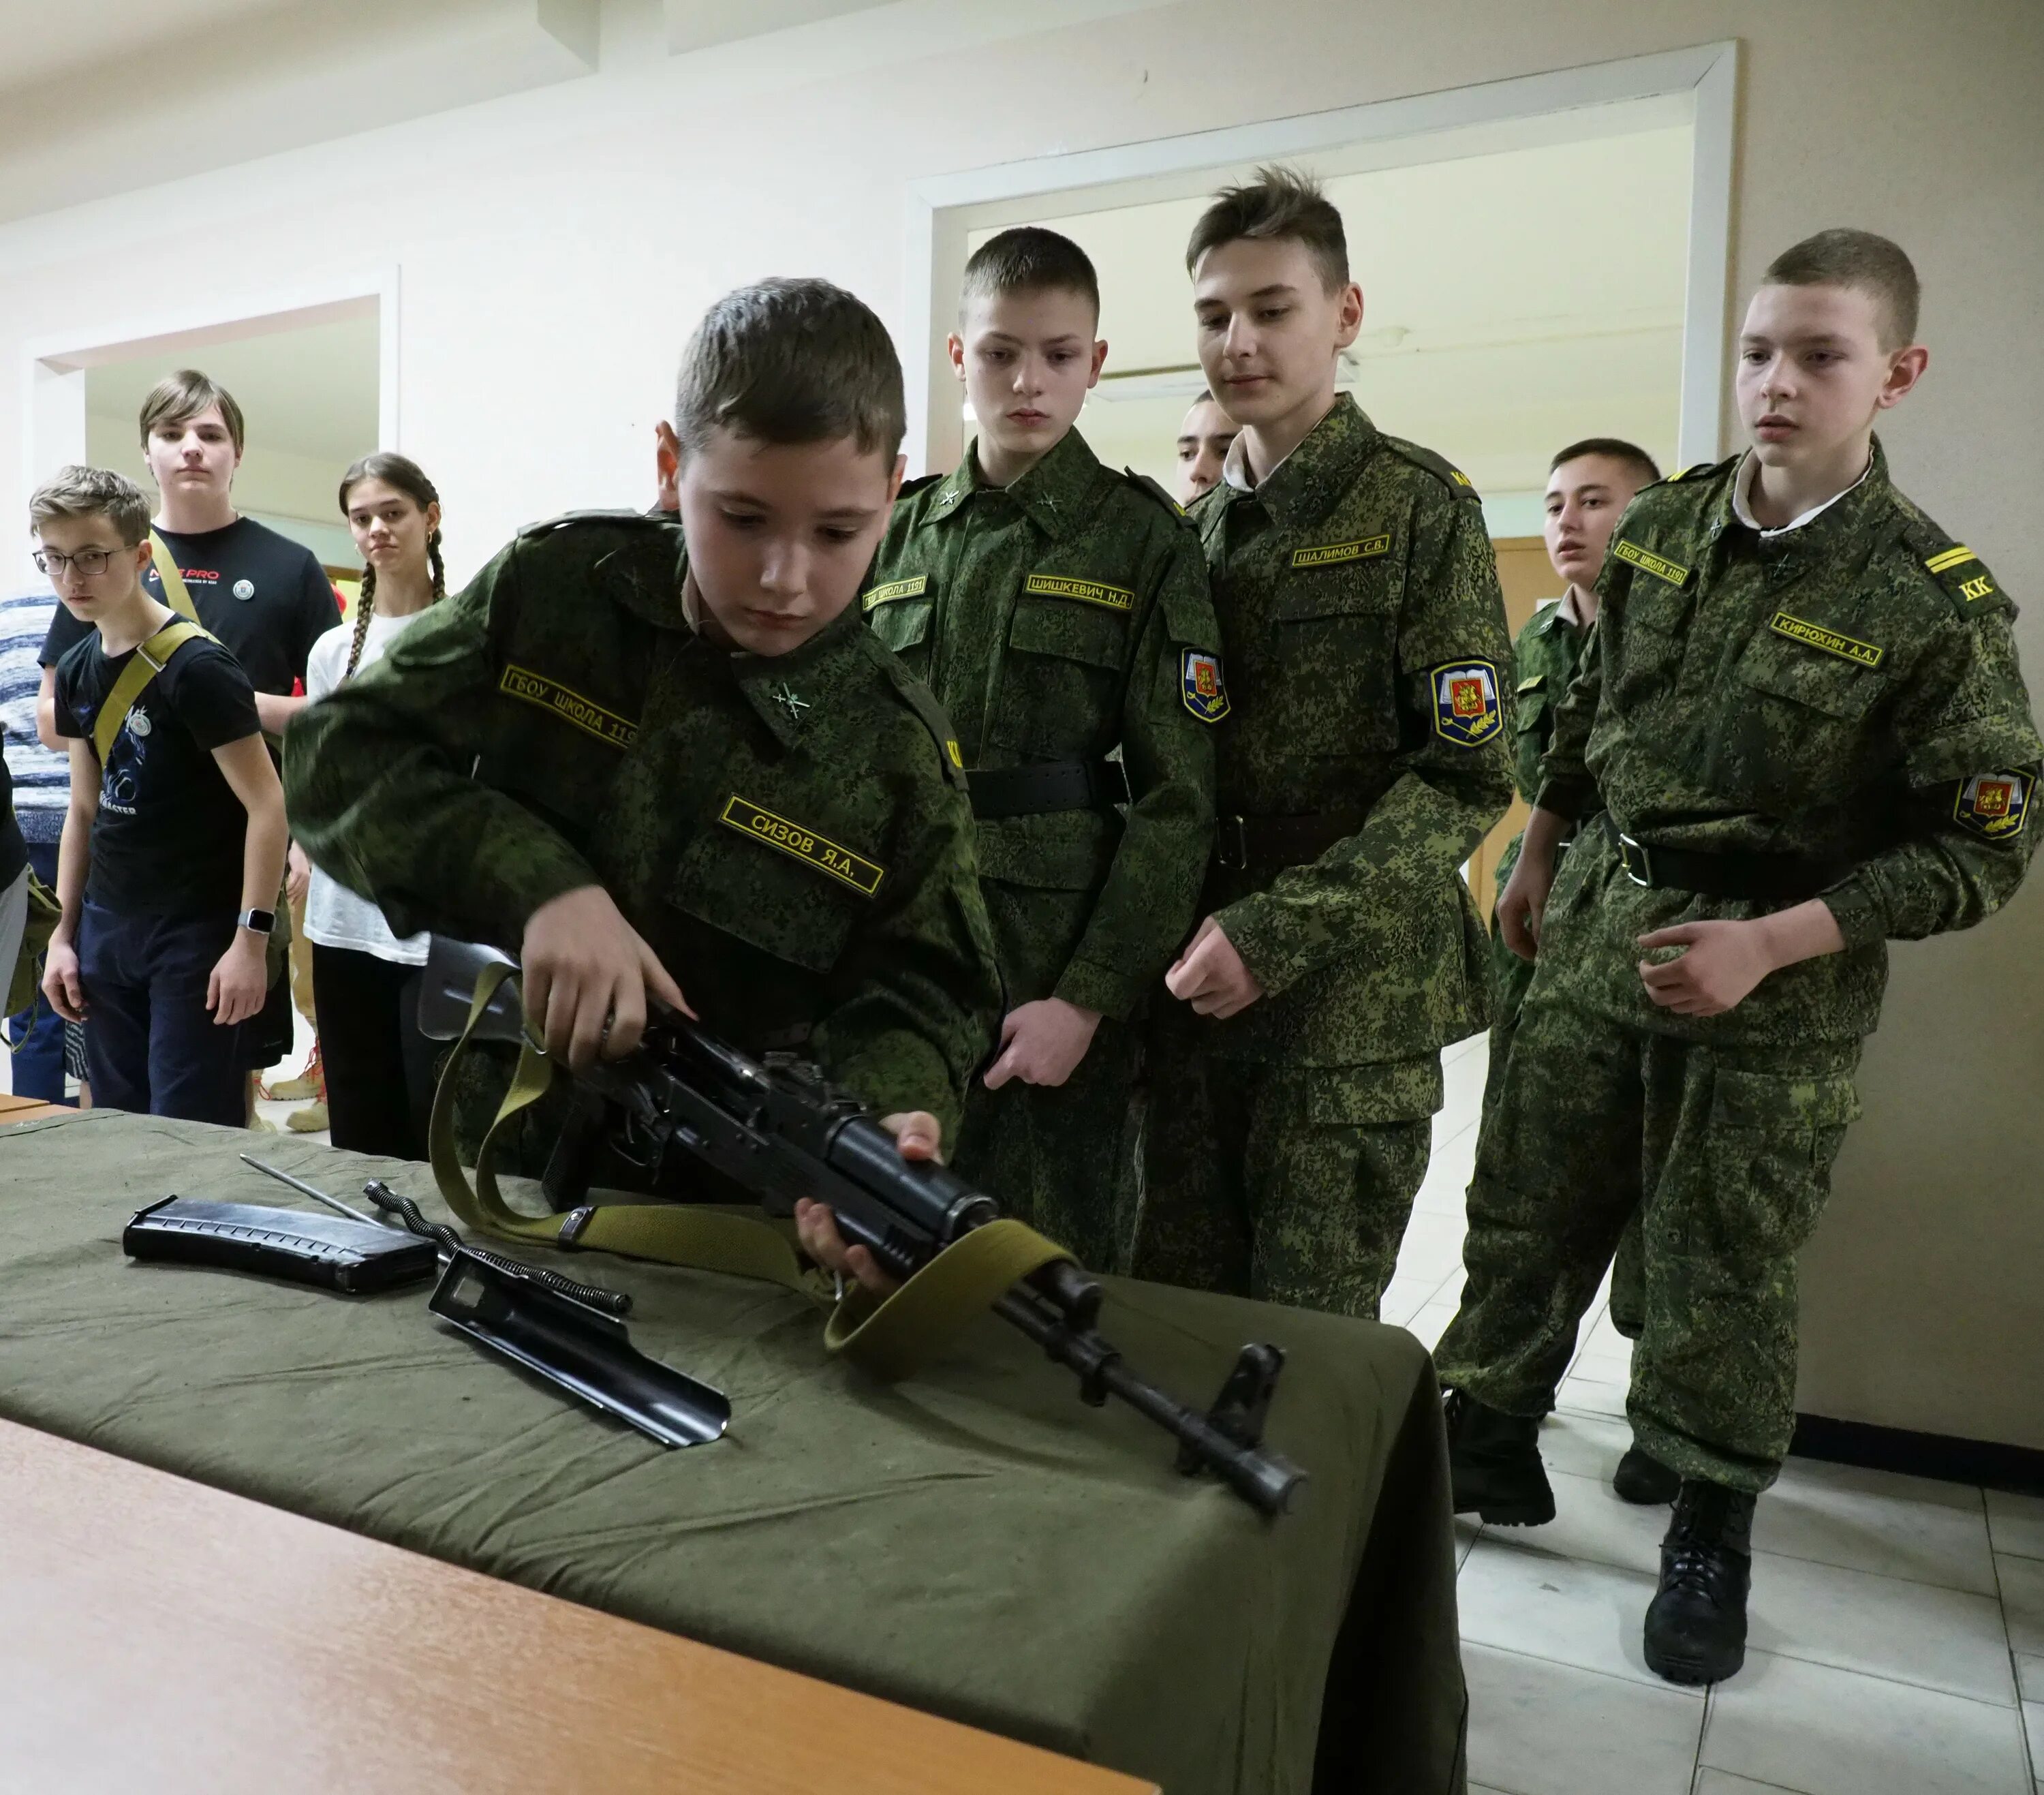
{"x":261,"y":594}
{"x":168,"y":836}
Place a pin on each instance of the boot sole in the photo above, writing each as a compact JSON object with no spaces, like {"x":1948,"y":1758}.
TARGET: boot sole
{"x":1516,"y":1514}
{"x":1690,"y":1671}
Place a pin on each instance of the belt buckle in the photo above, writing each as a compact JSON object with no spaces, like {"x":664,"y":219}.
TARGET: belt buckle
{"x":1240,"y":862}
{"x":1627,"y":848}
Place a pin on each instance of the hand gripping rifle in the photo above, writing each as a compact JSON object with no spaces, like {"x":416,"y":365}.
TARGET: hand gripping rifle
{"x":777,"y":1129}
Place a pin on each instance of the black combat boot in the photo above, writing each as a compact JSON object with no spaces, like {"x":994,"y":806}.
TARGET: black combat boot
{"x":1494,"y":1464}
{"x":1696,"y":1624}
{"x":1644,"y":1480}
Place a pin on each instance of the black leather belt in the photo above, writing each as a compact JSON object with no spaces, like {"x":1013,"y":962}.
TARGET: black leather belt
{"x":1059,"y":785}
{"x":1241,"y":843}
{"x":1762,"y":877}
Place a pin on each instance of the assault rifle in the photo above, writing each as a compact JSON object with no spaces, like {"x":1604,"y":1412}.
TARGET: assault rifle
{"x":779,"y":1131}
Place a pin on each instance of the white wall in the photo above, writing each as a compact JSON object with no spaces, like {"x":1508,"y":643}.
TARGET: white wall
{"x":556,"y":246}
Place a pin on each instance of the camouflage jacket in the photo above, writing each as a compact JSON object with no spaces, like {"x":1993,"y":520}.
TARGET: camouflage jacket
{"x":1364,"y":640}
{"x":788,"y":833}
{"x":1545,"y":655}
{"x":1058,"y":619}
{"x":1847,"y":691}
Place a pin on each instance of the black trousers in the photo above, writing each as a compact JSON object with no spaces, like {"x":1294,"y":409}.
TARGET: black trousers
{"x":379,"y":1068}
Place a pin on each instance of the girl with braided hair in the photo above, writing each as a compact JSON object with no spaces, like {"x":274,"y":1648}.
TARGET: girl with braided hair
{"x":365,"y":978}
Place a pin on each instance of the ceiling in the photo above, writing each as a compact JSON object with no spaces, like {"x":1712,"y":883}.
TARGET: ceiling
{"x":46,"y":44}
{"x":1512,"y":302}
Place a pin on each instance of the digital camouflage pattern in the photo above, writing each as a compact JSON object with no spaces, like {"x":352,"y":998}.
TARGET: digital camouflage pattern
{"x":1364,"y":642}
{"x":1545,"y":655}
{"x":1054,"y":618}
{"x":1736,"y":1144}
{"x":1848,"y":689}
{"x":788,"y":833}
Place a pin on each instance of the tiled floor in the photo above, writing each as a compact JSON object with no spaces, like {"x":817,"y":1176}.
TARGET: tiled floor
{"x":1896,"y":1643}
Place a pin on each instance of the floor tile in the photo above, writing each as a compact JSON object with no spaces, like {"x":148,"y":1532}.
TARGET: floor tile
{"x":1909,"y":1526}
{"x":1431,"y":1322}
{"x":2023,"y":1601}
{"x":2017,"y":1522}
{"x":1539,"y":1727}
{"x":1445,"y":1189}
{"x":2029,"y":1683}
{"x":1591,"y":1525}
{"x":1584,"y":1445}
{"x":1825,"y":1732}
{"x":1518,"y":1598}
{"x":1405,"y":1296}
{"x":1724,"y":1782}
{"x":1592,"y":1395}
{"x":1432,"y":1247}
{"x":2033,"y":1726}
{"x":1467,"y":1528}
{"x":1943,"y":1640}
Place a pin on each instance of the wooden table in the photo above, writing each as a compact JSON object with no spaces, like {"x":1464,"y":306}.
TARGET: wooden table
{"x":155,"y":1633}
{"x":26,"y":1109}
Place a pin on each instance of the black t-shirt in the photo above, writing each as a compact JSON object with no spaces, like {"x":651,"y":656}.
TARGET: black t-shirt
{"x":13,"y":851}
{"x":168,"y":838}
{"x":263,"y":594}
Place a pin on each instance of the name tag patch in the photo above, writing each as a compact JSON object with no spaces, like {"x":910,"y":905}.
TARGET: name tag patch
{"x":1649,"y":562}
{"x":914,"y":587}
{"x":1330,"y":554}
{"x":570,"y":707}
{"x":1206,"y":693}
{"x":1085,"y":591}
{"x":1994,"y":806}
{"x":1815,"y":636}
{"x":1466,"y":711}
{"x":826,"y":855}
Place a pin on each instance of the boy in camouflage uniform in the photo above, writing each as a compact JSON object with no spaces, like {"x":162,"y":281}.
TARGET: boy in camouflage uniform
{"x":1589,"y":484}
{"x":660,"y":762}
{"x":1803,"y":719}
{"x":1364,"y":640}
{"x":1059,"y":611}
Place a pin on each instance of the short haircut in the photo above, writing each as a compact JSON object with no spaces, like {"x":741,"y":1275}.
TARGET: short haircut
{"x":1860,"y":259}
{"x":1029,"y":259}
{"x":79,"y":491}
{"x":1280,"y":202}
{"x":1617,"y":448}
{"x":179,"y":397}
{"x":792,"y":361}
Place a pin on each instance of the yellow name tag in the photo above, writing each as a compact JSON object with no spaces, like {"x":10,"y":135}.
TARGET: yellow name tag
{"x":585,"y":714}
{"x":914,"y":587}
{"x":1085,"y":591}
{"x":1815,"y":636}
{"x":825,"y":855}
{"x":1328,"y":553}
{"x":1650,"y":562}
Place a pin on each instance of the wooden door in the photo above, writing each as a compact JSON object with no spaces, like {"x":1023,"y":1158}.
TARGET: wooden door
{"x":1523,"y":572}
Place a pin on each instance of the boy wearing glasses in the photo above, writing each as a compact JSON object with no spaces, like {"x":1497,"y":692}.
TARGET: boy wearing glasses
{"x":173,"y":847}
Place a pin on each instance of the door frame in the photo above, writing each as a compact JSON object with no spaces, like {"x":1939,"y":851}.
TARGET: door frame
{"x":942,"y":209}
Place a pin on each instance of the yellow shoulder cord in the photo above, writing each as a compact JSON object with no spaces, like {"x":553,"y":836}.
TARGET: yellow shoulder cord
{"x":174,"y":590}
{"x":889,"y":1337}
{"x":150,"y":659}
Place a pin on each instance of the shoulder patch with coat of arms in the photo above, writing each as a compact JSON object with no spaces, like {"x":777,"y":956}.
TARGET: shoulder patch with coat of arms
{"x":1994,"y":806}
{"x":1466,"y":709}
{"x":1205,"y":691}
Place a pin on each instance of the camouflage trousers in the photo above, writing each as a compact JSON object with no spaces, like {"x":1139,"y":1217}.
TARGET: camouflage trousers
{"x":1726,"y":1154}
{"x":1510,"y":977}
{"x":1292,"y":1184}
{"x":1057,"y":1156}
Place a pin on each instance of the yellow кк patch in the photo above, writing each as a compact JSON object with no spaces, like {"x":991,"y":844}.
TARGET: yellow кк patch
{"x":827,"y":856}
{"x":914,"y":587}
{"x":1815,"y":636}
{"x":570,"y":707}
{"x":1647,"y":560}
{"x":1085,"y":591}
{"x":1329,"y":554}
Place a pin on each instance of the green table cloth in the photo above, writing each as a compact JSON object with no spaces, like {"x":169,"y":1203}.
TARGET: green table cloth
{"x":974,"y":1542}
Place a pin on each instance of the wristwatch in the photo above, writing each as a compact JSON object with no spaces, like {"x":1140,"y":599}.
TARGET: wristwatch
{"x":261,"y":921}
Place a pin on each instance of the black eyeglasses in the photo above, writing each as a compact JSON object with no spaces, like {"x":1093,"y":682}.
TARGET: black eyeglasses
{"x":87,"y":563}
